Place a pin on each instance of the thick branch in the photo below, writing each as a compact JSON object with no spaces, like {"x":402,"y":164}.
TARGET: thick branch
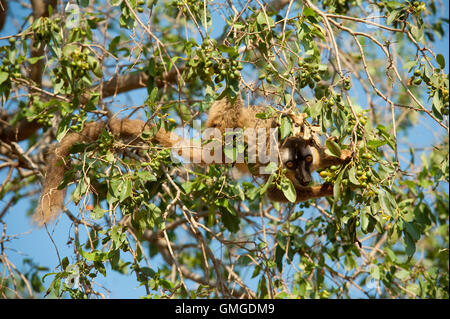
{"x":3,"y":12}
{"x":40,"y":9}
{"x":19,"y":132}
{"x":277,"y":5}
{"x":131,"y":81}
{"x":118,"y":84}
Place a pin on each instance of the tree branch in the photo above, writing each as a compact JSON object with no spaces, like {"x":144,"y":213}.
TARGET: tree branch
{"x":3,"y":12}
{"x":116,"y":85}
{"x":127,"y":82}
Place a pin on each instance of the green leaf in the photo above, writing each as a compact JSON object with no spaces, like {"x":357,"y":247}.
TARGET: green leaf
{"x":410,"y":245}
{"x":146,"y":176}
{"x":126,"y":190}
{"x":227,"y":49}
{"x":364,"y":221}
{"x":307,"y":11}
{"x":35,"y":59}
{"x":84,"y":3}
{"x":261,"y":18}
{"x":389,"y":138}
{"x":374,"y":144}
{"x":402,"y":274}
{"x":279,"y":253}
{"x":412,"y":230}
{"x":230,"y":152}
{"x":3,"y":77}
{"x":437,"y":106}
{"x":375,"y":272}
{"x":65,"y":263}
{"x":288,"y":189}
{"x":285,"y":127}
{"x":414,"y":288}
{"x":97,"y":212}
{"x":349,"y":262}
{"x":81,"y":188}
{"x":352,"y":176}
{"x":238,"y":26}
{"x":63,"y":127}
{"x":188,"y":186}
{"x":394,"y":234}
{"x":372,"y":223}
{"x":121,"y":189}
{"x":152,"y":96}
{"x":417,"y":32}
{"x":333,"y":147}
{"x":113,"y":44}
{"x":392,"y":16}
{"x":409,"y":65}
{"x":229,"y":221}
{"x":262,"y":287}
{"x":337,"y":185}
{"x":36,"y":283}
{"x":269,"y":113}
{"x":95,"y":255}
{"x":315,"y":109}
{"x":264,"y":188}
{"x":302,"y":285}
{"x":384,"y":202}
{"x":441,"y":60}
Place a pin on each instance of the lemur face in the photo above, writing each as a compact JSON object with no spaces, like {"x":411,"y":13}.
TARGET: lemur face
{"x":297,"y":157}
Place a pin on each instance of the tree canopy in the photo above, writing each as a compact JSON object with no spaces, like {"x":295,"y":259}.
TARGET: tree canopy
{"x":373,"y":74}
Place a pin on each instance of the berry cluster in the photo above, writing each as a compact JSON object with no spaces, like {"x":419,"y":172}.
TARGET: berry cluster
{"x":417,"y":7}
{"x":77,"y":62}
{"x":8,"y":62}
{"x":194,"y":5}
{"x":206,"y":62}
{"x":358,"y":173}
{"x":308,"y":74}
{"x":435,"y":85}
{"x":43,"y":29}
{"x":229,"y":70}
{"x":140,"y":3}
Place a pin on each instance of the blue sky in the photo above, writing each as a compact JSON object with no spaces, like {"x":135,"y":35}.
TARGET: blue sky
{"x":41,"y":245}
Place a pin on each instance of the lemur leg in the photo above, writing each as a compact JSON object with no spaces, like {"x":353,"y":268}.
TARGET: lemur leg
{"x":303,"y":193}
{"x":327,"y":160}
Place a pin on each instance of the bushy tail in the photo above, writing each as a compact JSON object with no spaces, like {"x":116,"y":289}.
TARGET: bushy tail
{"x":51,"y":201}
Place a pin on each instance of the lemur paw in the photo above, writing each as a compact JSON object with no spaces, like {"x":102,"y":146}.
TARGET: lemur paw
{"x":346,"y":155}
{"x":332,"y":138}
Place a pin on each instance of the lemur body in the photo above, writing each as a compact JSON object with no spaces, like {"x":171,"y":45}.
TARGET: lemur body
{"x":299,"y":157}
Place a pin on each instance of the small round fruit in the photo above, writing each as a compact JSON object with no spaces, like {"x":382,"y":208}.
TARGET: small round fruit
{"x":417,"y":81}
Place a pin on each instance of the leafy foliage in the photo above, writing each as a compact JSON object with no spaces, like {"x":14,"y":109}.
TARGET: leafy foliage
{"x":190,"y":231}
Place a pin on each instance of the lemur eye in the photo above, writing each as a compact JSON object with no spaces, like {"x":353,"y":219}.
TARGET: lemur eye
{"x":308,"y":159}
{"x":289,"y":164}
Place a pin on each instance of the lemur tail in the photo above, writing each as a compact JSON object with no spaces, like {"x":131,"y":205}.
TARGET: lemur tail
{"x":51,"y":201}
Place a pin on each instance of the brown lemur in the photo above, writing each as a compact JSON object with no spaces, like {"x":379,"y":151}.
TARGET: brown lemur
{"x":299,"y":156}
